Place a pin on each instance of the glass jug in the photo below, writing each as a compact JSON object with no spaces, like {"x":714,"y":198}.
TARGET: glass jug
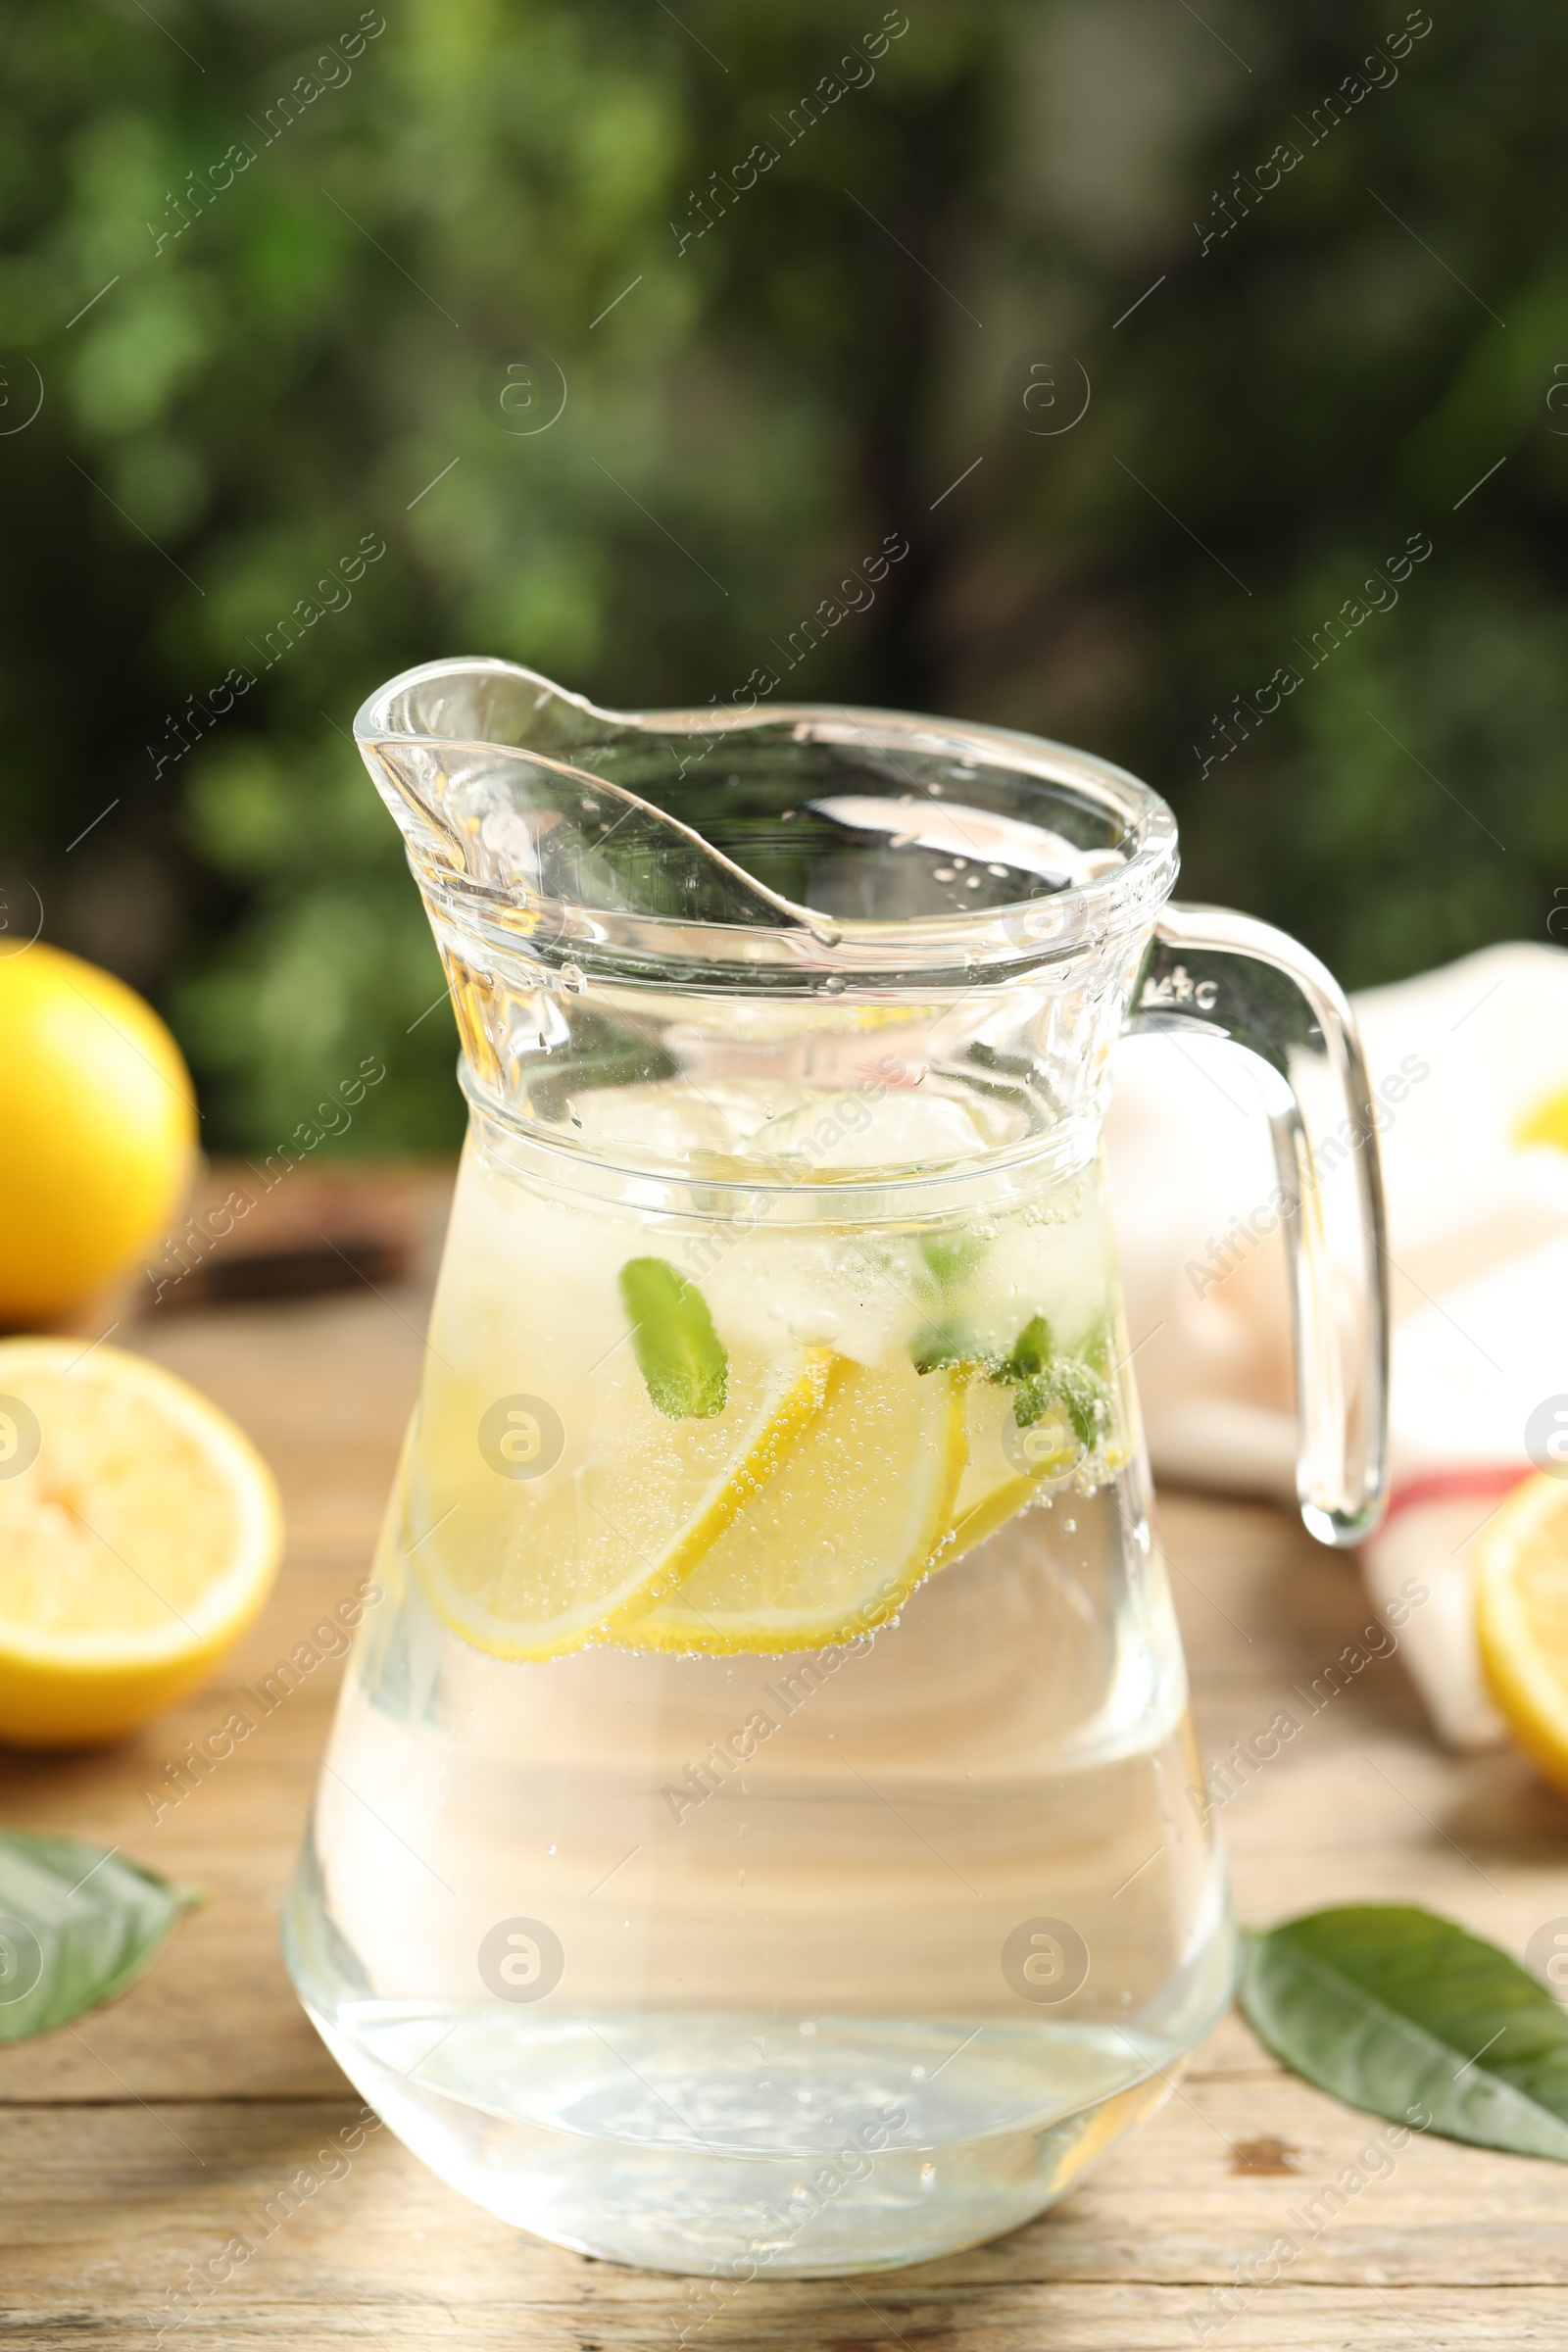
{"x":763,"y":1833}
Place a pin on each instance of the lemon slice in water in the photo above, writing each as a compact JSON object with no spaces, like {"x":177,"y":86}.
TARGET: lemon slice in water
{"x":840,"y":1535}
{"x":606,"y":1506}
{"x":1005,"y":1467}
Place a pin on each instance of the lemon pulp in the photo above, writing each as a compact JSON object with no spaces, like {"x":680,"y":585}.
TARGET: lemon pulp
{"x":140,"y":1534}
{"x":602,"y":1535}
{"x":834,"y":1541}
{"x":1521,"y":1576}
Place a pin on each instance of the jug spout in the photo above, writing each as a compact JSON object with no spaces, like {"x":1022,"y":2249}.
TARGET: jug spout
{"x":860,"y":828}
{"x":624,"y":896}
{"x":501,"y":780}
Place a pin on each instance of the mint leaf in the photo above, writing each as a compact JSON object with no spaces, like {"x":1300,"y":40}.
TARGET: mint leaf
{"x":1402,"y":2013}
{"x":1088,"y":1407}
{"x":680,"y":1355}
{"x":1040,"y":1379}
{"x":951,"y":1258}
{"x":937,"y":1347}
{"x":77,"y":1923}
{"x":1073,"y":1387}
{"x":1030,"y":1355}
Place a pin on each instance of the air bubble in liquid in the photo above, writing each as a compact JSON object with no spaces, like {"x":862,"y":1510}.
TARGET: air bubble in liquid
{"x":573,"y":979}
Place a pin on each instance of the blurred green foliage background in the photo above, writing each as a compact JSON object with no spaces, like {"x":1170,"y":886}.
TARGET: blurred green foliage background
{"x":244,"y":380}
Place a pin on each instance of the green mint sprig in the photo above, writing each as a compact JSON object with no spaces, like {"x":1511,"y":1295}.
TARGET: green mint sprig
{"x":1039,"y":1377}
{"x":680,"y":1355}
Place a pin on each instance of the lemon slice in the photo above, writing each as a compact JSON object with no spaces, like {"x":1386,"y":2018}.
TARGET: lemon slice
{"x":139,"y":1535}
{"x":839,"y":1537}
{"x":1521,"y":1573}
{"x":1006,"y":1468}
{"x":531,"y":1566}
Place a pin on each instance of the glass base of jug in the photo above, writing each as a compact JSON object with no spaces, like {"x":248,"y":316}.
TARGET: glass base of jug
{"x":657,"y":2142}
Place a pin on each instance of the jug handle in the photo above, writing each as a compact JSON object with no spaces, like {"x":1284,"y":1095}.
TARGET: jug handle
{"x":1228,"y":975}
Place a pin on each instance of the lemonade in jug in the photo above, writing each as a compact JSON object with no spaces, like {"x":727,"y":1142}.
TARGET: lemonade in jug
{"x":763,"y":1833}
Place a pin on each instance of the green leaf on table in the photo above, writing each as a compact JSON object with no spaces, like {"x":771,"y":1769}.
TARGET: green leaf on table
{"x":1405,"y":2015}
{"x":78,"y":1924}
{"x":680,"y":1355}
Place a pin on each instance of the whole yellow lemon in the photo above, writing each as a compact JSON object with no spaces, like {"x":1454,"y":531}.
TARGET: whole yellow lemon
{"x":97,"y":1130}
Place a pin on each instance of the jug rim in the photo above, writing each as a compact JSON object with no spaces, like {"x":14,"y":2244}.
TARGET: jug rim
{"x":1081,"y":912}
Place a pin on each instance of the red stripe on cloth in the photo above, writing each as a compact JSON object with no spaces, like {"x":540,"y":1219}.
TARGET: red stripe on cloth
{"x":1453,"y":1486}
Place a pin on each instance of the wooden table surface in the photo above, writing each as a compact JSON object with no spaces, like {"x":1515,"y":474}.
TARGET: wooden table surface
{"x":132,"y":2144}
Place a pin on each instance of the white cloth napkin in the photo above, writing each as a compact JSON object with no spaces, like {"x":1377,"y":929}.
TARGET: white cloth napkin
{"x":1478,"y":1249}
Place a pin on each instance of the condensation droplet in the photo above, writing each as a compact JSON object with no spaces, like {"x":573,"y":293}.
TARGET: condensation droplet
{"x":833,"y":985}
{"x":1000,"y":871}
{"x":944,"y":873}
{"x":573,"y":979}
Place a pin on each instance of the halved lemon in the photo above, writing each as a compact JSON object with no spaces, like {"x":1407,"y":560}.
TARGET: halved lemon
{"x":1520,"y":1565}
{"x":534,"y":1565}
{"x":839,"y":1536}
{"x":139,"y":1535}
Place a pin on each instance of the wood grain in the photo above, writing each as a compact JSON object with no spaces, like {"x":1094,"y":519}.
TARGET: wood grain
{"x":139,"y":2142}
